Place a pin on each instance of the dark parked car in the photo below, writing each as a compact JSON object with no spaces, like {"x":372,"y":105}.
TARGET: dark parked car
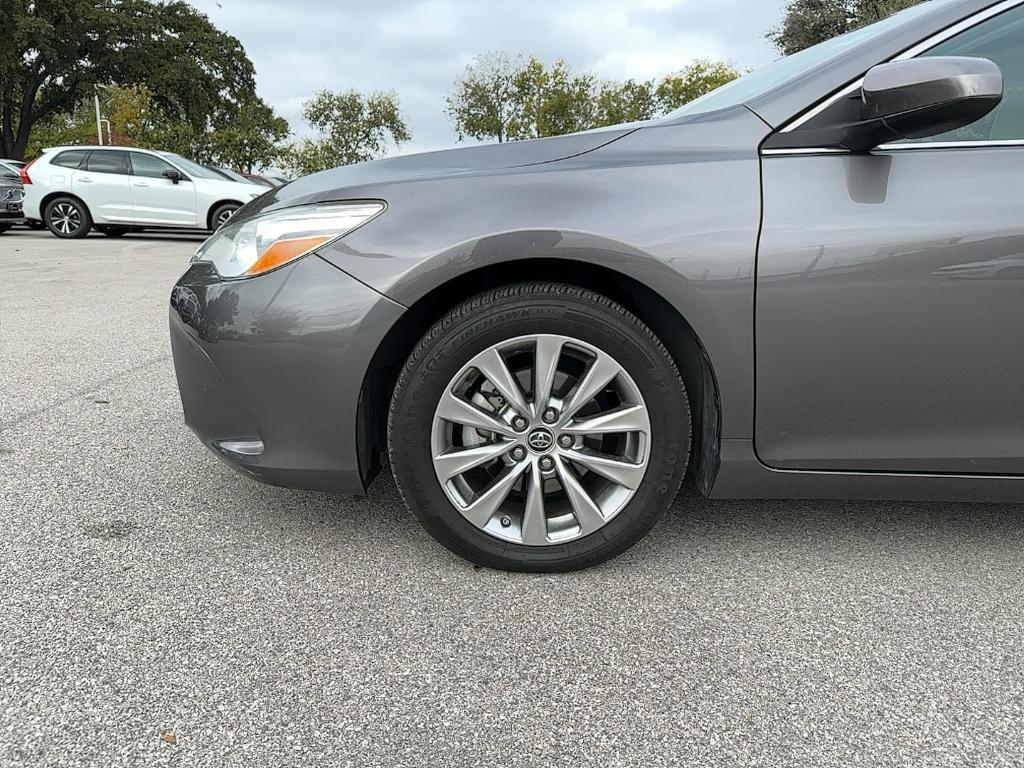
{"x":762,"y":291}
{"x":11,"y":196}
{"x":266,"y":181}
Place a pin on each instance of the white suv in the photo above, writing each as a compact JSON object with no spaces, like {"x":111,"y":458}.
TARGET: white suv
{"x":118,"y":189}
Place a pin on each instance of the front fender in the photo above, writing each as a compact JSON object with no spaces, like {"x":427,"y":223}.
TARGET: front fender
{"x":675,"y":207}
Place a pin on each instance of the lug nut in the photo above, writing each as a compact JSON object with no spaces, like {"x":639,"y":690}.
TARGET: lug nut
{"x":519,"y":424}
{"x":550,"y":416}
{"x":506,"y":521}
{"x":518,"y":453}
{"x":547,"y":463}
{"x":565,"y":441}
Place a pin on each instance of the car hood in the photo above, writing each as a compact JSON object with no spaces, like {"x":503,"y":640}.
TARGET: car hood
{"x":235,"y":189}
{"x":328,"y":184}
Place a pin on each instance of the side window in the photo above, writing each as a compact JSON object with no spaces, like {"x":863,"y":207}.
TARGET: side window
{"x":70,"y":158}
{"x":999,"y":39}
{"x":107,"y":161}
{"x":149,"y":166}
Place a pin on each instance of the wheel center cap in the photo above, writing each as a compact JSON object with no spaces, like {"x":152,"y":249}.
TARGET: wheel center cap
{"x":540,"y":440}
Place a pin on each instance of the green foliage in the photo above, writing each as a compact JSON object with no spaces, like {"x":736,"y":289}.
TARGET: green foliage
{"x":701,"y":77}
{"x":55,"y":51}
{"x":809,"y":22}
{"x":251,"y":138}
{"x":352,"y":128}
{"x":507,"y":98}
{"x":550,"y":101}
{"x":246,"y":138}
{"x":625,"y":102}
{"x":481,"y":106}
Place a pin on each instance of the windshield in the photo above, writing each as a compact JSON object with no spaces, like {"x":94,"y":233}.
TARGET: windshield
{"x":770,"y":76}
{"x":192,"y":169}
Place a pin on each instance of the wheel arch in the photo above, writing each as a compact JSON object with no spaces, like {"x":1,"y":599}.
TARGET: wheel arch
{"x":214,"y":206}
{"x":49,"y":197}
{"x":654,"y":310}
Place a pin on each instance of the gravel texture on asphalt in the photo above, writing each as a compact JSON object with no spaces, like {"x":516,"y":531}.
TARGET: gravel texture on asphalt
{"x":158,"y":609}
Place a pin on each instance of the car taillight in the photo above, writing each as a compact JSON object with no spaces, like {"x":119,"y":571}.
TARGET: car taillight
{"x":24,"y":172}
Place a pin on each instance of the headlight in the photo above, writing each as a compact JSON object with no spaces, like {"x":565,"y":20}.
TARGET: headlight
{"x":252,"y":247}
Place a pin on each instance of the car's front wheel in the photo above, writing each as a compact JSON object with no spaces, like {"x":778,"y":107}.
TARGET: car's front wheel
{"x":220,"y":216}
{"x":539,"y":427}
{"x":67,"y":217}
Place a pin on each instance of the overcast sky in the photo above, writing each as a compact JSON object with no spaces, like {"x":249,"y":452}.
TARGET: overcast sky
{"x":418,"y":47}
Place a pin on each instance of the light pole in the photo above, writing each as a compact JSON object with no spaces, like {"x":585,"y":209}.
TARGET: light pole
{"x":99,"y":120}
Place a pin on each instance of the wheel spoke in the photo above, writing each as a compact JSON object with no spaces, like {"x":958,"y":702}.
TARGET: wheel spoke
{"x":492,"y":365}
{"x":457,"y":462}
{"x":535,"y":524}
{"x":585,"y":510}
{"x":546,"y":354}
{"x":629,"y":418}
{"x":621,"y":472}
{"x":459,"y":411}
{"x":483,"y":509}
{"x":598,"y":376}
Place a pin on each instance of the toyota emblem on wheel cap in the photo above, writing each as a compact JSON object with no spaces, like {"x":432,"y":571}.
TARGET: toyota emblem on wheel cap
{"x":540,"y":440}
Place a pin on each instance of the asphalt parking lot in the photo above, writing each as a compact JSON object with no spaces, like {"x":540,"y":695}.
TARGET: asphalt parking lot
{"x":158,"y":609}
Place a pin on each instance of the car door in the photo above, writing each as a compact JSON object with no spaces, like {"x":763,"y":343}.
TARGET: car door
{"x":890,"y":294}
{"x":157,"y":199}
{"x":104,"y":185}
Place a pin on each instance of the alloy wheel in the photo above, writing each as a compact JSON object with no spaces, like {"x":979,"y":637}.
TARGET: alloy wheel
{"x":541,"y":439}
{"x":66,"y":218}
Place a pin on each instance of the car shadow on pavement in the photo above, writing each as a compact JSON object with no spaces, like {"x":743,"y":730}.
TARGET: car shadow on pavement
{"x":728,"y":533}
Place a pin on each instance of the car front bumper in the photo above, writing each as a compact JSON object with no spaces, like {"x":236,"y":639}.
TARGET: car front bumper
{"x":271,"y":370}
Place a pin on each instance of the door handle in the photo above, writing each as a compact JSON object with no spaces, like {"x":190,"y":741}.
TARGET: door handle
{"x":86,"y":180}
{"x":141,"y":184}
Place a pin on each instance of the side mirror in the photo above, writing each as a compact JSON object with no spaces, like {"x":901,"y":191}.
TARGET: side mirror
{"x":174,"y":176}
{"x":923,"y":97}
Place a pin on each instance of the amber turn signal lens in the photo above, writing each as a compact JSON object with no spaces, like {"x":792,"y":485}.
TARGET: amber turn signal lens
{"x":284,"y":251}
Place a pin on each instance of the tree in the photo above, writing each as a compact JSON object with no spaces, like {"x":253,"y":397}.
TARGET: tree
{"x":809,"y":22}
{"x":352,"y":128}
{"x":484,"y":99}
{"x":56,"y":51}
{"x":251,"y":138}
{"x":550,"y":101}
{"x":244,"y":139}
{"x":689,"y":83}
{"x":506,"y":98}
{"x":133,"y":120}
{"x":625,"y":102}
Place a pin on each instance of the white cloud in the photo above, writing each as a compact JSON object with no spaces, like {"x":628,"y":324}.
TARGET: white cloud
{"x":418,"y":47}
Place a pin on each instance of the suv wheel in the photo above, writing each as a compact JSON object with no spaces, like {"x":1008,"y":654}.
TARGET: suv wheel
{"x":539,"y":427}
{"x":67,"y":217}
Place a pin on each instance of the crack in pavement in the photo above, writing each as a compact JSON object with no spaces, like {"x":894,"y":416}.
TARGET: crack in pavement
{"x":32,"y":413}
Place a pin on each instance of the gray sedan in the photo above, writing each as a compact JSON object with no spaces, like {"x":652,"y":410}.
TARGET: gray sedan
{"x":784,"y":289}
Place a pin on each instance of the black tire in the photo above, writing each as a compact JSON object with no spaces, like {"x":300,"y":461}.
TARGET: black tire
{"x":219,"y":211}
{"x":112,"y":231}
{"x":4,"y":228}
{"x":78,"y":226}
{"x":510,"y":312}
